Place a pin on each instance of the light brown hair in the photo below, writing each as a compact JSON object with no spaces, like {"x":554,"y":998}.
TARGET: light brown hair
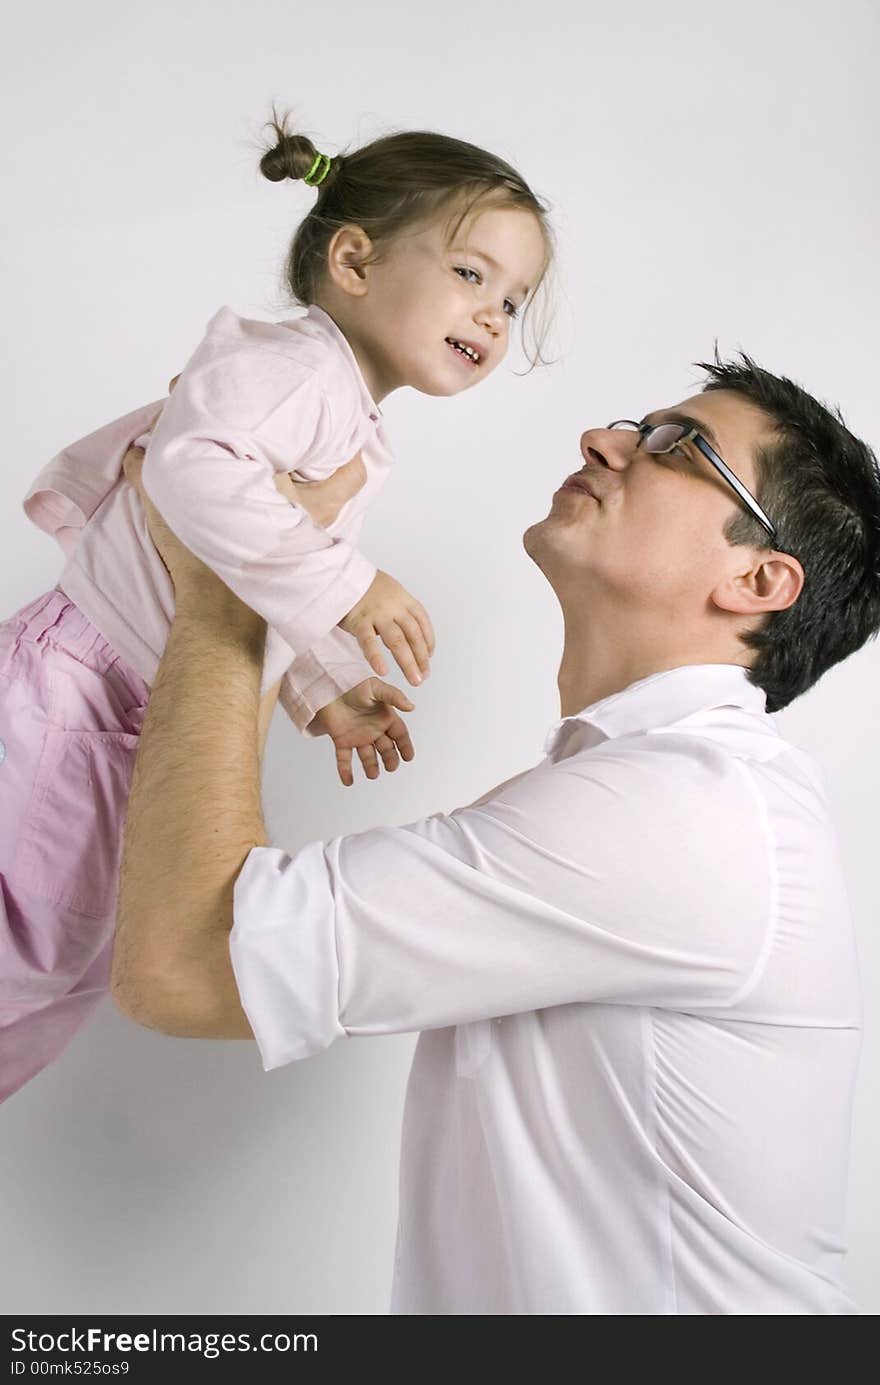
{"x":391,"y":184}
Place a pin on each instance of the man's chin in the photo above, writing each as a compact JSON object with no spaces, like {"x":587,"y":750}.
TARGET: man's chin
{"x":536,"y":531}
{"x":534,"y":539}
{"x":529,"y":537}
{"x":558,"y":546}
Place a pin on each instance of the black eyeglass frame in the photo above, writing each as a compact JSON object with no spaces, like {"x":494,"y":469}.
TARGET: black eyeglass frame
{"x":693,"y":435}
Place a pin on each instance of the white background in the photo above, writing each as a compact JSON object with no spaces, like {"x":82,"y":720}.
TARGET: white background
{"x":713,"y":174}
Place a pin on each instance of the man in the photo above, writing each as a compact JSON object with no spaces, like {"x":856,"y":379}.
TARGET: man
{"x":632,"y":966}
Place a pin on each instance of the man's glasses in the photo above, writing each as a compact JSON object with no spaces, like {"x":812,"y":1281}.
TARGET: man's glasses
{"x":658,"y":438}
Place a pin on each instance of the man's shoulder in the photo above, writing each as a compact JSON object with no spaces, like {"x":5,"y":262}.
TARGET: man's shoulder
{"x":754,"y":741}
{"x":704,"y":764}
{"x":738,"y":731}
{"x":707,"y":763}
{"x":637,"y":775}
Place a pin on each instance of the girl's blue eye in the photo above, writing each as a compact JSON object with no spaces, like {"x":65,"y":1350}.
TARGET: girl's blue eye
{"x":509,"y":307}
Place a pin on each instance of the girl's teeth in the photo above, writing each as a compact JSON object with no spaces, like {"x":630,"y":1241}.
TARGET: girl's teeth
{"x":464,"y":350}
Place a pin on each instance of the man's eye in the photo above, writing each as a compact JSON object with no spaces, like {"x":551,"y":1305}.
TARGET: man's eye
{"x":464,"y":272}
{"x":690,"y":455}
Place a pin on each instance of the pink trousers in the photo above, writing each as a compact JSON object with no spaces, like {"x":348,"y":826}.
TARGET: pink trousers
{"x":70,"y":716}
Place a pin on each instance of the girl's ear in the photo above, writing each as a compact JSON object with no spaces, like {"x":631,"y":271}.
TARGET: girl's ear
{"x":347,"y":255}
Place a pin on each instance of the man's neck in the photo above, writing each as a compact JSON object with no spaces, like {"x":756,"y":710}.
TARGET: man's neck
{"x":598,"y":660}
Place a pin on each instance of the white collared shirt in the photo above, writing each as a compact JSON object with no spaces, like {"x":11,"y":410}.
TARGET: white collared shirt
{"x":634,"y":974}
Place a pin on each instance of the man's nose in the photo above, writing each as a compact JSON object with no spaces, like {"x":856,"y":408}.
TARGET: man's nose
{"x":610,"y":447}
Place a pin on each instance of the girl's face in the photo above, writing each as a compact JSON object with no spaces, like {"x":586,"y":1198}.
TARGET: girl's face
{"x":437,"y":314}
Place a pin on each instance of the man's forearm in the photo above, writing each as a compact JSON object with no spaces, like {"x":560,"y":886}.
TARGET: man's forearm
{"x":193,"y":816}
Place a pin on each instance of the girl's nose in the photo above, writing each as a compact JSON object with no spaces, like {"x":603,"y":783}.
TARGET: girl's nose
{"x":491,"y":317}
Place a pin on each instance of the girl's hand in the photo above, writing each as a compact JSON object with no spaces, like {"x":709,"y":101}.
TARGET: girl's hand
{"x":366,"y":719}
{"x":387,"y":612}
{"x":324,"y":499}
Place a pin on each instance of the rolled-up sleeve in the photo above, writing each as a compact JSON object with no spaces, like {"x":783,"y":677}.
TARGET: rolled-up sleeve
{"x":283,"y":949}
{"x":639,"y":875}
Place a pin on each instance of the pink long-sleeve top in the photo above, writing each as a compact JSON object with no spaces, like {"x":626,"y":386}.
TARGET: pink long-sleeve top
{"x":255,"y":398}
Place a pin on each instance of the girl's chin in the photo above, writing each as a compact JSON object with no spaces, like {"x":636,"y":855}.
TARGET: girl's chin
{"x":437,"y":386}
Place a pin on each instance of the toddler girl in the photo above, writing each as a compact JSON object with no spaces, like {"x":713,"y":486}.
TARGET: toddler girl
{"x":417,"y":255}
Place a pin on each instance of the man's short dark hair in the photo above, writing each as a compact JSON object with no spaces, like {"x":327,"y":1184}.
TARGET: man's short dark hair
{"x":820,"y":485}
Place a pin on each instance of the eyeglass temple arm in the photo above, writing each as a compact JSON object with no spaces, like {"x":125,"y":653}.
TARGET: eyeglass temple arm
{"x":732,"y":480}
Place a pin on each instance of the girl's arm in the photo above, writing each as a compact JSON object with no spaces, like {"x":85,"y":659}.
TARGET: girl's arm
{"x":69,"y":489}
{"x":334,"y":665}
{"x":240,"y":414}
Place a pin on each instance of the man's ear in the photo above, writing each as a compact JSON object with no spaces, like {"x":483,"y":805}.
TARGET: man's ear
{"x":347,"y":255}
{"x":772,"y":582}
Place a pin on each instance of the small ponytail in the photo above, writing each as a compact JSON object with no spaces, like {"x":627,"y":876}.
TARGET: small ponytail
{"x":295,"y":156}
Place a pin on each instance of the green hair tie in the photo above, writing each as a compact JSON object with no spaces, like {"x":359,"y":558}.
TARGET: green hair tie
{"x":310,"y":179}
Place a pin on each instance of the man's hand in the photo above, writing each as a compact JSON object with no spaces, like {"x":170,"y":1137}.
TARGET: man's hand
{"x":387,"y":612}
{"x":324,"y":499}
{"x":183,"y":567}
{"x":366,"y":719}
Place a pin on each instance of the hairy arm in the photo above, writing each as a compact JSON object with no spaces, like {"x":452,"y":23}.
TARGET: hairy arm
{"x":193,"y":816}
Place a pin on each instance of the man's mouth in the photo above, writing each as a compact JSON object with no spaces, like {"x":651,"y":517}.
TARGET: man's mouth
{"x":578,"y":482}
{"x":466,"y":350}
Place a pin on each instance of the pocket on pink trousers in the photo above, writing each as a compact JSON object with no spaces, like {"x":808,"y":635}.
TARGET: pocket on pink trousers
{"x":70,"y":845}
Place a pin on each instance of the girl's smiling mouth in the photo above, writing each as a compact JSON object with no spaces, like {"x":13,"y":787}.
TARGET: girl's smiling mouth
{"x":466,"y":350}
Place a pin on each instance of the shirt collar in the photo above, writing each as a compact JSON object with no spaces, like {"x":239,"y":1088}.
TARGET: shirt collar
{"x":326,"y":323}
{"x":660,"y":700}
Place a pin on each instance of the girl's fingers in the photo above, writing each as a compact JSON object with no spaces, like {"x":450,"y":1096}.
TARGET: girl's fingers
{"x":417,"y":643}
{"x":393,"y":697}
{"x":398,"y":732}
{"x":343,"y":765}
{"x":372,"y":650}
{"x":396,"y":641}
{"x":388,"y":750}
{"x":369,"y":761}
{"x":421,"y":615}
